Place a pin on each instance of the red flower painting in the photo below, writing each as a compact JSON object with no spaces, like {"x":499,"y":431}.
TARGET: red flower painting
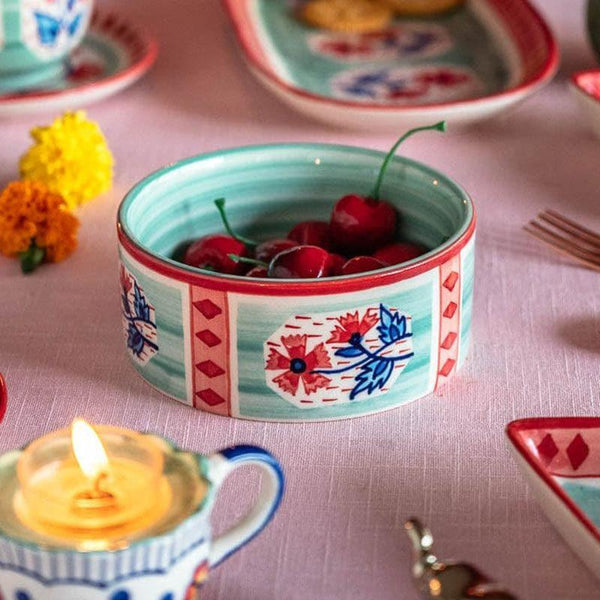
{"x":297,"y":365}
{"x":351,"y":328}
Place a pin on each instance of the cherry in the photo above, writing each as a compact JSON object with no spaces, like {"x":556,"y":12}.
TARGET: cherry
{"x":399,"y":252}
{"x":267,"y":250}
{"x":362,"y":264}
{"x":212,"y":252}
{"x":361,"y":224}
{"x":311,"y":233}
{"x":257,"y":272}
{"x":301,"y":262}
{"x":336,"y":262}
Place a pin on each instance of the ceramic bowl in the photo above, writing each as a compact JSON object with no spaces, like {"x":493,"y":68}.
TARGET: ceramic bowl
{"x":586,"y":87}
{"x":294,"y":350}
{"x":560,"y":459}
{"x":35,"y":37}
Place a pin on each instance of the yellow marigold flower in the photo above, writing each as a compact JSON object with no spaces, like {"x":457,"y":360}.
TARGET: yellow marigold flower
{"x":71,"y":157}
{"x":35,"y":224}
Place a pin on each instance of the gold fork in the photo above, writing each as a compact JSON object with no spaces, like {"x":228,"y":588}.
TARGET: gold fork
{"x":566,"y":237}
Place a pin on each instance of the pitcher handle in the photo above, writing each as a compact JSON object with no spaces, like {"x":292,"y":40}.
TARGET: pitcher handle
{"x":220,"y":466}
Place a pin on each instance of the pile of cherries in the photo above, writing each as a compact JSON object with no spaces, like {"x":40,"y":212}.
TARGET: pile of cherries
{"x":359,"y":237}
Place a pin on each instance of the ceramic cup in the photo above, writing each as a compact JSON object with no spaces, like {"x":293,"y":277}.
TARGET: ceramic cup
{"x":170,"y":563}
{"x":294,"y":350}
{"x":35,"y":38}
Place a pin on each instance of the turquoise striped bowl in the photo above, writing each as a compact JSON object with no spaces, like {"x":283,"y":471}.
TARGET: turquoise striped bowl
{"x":294,"y":350}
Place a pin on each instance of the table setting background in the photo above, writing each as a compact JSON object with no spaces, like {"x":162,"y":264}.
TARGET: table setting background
{"x":352,"y":483}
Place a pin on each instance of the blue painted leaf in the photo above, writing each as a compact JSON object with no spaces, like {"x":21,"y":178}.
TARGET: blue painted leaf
{"x":140,"y":306}
{"x":373,"y":376}
{"x":74,"y":24}
{"x":135,"y":340}
{"x":48,"y":28}
{"x":126,"y":307}
{"x":349,"y":352}
{"x":393,"y":327}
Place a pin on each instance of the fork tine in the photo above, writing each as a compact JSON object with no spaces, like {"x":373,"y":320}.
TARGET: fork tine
{"x":562,"y":246}
{"x":571,"y":227}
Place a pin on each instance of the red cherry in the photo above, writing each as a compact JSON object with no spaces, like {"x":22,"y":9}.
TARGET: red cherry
{"x":361,"y":225}
{"x":362,"y":264}
{"x":257,"y":272}
{"x":311,"y":233}
{"x":336,"y":262}
{"x":301,"y":262}
{"x":267,"y":250}
{"x":399,"y":252}
{"x":211,"y":252}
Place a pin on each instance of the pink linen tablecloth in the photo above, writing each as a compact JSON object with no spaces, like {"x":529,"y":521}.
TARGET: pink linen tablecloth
{"x":351,"y":484}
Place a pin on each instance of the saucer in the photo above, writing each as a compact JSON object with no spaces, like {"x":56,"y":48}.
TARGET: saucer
{"x":113,"y":55}
{"x":560,"y":458}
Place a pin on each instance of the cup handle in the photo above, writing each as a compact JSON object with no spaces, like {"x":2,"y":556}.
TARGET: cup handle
{"x":220,"y":466}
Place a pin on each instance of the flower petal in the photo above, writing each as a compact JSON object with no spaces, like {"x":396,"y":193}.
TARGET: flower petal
{"x":318,"y":358}
{"x":295,"y":344}
{"x":314,"y":381}
{"x":277,"y":361}
{"x":288,"y":382}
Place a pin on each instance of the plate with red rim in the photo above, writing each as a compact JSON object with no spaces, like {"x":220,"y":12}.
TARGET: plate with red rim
{"x":560,"y":458}
{"x":586,"y":86}
{"x":113,"y":55}
{"x":462,"y":66}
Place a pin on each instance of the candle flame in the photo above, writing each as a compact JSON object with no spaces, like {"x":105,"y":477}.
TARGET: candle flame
{"x":88,"y":449}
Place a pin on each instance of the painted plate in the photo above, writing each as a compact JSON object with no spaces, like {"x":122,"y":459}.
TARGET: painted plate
{"x":113,"y":55}
{"x":560,"y":458}
{"x":462,"y":66}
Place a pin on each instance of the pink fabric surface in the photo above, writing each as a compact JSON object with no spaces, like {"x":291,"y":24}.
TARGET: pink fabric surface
{"x":351,"y":484}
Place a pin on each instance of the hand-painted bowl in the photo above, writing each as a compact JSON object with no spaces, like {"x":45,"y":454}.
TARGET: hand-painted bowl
{"x":35,"y":37}
{"x":294,"y":350}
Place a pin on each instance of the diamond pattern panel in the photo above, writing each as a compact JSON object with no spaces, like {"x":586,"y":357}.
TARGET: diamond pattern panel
{"x":209,"y":366}
{"x":449,"y":318}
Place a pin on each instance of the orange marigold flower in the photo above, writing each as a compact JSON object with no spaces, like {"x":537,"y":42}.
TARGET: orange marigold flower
{"x":33,"y":217}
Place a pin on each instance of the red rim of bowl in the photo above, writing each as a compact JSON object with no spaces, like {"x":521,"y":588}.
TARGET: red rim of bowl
{"x":576,"y":83}
{"x":286,"y":287}
{"x":141,"y":46}
{"x":515,"y":428}
{"x":543,"y":75}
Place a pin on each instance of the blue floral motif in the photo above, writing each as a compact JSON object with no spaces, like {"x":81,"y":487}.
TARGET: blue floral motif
{"x":375,"y":367}
{"x":49,"y":27}
{"x":138,"y":317}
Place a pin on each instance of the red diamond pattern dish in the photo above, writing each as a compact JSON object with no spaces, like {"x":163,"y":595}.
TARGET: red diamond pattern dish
{"x":560,"y":458}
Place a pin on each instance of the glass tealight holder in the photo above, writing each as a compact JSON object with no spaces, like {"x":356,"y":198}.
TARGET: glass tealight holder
{"x":57,"y":499}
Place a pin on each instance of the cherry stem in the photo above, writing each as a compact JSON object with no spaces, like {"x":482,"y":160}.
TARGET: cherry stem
{"x":220,"y":204}
{"x":441,"y":126}
{"x":248,"y":261}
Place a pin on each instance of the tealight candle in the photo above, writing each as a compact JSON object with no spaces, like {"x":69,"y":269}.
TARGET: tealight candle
{"x":84,"y":485}
{"x":98,"y":513}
